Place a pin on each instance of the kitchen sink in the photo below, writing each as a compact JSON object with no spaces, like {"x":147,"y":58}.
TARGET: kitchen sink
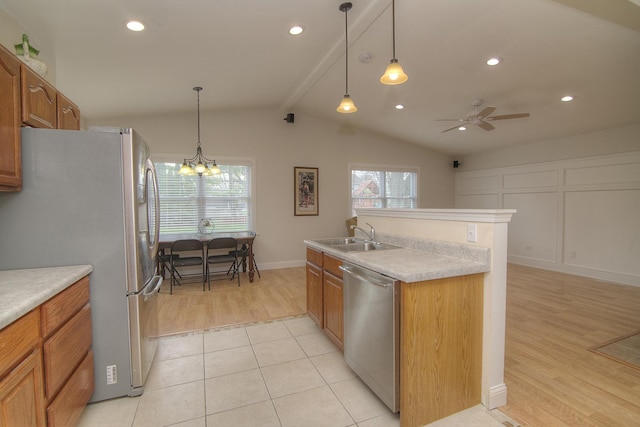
{"x":363,"y":247}
{"x":339,"y":241}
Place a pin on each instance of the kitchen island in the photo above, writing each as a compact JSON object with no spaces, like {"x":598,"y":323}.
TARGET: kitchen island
{"x":440,"y":316}
{"x":46,"y":362}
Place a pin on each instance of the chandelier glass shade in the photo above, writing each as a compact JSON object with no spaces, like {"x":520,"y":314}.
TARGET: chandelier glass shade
{"x":346,"y":105}
{"x":394,"y":74}
{"x":199,"y":164}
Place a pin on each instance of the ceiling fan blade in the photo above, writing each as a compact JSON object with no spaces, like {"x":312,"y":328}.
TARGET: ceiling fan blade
{"x":449,"y":120}
{"x":486,"y":126}
{"x":455,"y":127}
{"x":509,"y":116}
{"x":484,"y":113}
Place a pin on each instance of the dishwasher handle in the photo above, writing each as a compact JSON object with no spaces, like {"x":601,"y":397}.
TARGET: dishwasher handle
{"x":368,"y":279}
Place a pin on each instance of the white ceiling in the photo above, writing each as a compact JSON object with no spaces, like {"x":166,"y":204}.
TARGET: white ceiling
{"x":241,"y":53}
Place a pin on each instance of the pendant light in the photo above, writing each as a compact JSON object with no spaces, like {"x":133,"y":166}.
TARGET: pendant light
{"x":199,"y":164}
{"x":347,"y":105}
{"x":393,"y":75}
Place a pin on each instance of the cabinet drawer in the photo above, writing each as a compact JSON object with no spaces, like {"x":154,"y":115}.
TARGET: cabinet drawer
{"x":65,"y":349}
{"x":314,"y":257}
{"x":60,"y":308}
{"x":332,"y":265}
{"x":67,"y":407}
{"x":17,"y":339}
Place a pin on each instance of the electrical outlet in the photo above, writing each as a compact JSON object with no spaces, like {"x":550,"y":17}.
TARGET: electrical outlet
{"x":112,"y":374}
{"x":472,"y":232}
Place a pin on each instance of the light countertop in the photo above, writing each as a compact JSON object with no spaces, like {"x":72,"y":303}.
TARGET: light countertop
{"x":23,"y":290}
{"x":417,"y":259}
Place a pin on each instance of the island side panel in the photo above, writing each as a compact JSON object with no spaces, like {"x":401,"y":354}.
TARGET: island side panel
{"x":440,"y":348}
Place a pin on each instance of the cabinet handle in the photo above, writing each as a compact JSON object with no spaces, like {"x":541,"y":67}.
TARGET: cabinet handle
{"x":38,"y":88}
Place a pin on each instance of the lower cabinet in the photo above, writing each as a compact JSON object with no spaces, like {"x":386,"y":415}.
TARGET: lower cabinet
{"x":324,"y":294}
{"x":46,"y":363}
{"x":333,"y":308}
{"x":21,"y":394}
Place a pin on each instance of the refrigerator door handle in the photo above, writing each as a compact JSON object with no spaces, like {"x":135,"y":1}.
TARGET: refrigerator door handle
{"x":156,"y":202}
{"x":154,"y":287}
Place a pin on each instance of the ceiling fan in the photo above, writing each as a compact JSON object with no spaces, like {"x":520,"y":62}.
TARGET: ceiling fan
{"x":481,"y":118}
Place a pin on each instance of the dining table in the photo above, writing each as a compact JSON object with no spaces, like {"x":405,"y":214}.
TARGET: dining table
{"x":243,"y":237}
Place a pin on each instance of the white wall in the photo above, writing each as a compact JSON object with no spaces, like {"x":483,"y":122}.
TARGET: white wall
{"x":578,"y":216}
{"x":11,"y":33}
{"x":277,"y":147}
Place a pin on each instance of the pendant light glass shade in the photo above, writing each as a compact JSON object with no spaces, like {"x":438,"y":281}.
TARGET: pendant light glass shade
{"x":394,"y":74}
{"x":199,"y":164}
{"x":346,"y":105}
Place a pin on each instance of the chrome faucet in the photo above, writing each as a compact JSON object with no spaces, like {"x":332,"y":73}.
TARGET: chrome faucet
{"x":372,"y":233}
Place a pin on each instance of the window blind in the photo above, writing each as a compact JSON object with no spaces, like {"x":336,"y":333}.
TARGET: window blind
{"x":185,"y":200}
{"x":381,"y":187}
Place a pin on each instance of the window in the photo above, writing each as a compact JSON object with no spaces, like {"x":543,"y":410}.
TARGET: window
{"x":382,"y":187}
{"x":185,"y":200}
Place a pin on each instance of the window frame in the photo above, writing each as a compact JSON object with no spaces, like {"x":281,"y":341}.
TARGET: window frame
{"x":385,"y":169}
{"x":233,"y":161}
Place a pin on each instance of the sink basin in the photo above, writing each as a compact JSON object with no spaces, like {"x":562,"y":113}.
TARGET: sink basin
{"x":339,"y":241}
{"x":363,"y":246}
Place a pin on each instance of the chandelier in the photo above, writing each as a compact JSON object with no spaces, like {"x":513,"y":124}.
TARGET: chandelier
{"x":199,"y":164}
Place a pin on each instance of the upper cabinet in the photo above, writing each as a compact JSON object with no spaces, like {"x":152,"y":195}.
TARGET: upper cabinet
{"x":26,"y":99}
{"x":39,"y":101}
{"x":10,"y":158}
{"x":68,"y":113}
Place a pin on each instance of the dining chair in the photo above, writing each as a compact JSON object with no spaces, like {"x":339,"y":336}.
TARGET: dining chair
{"x":221,"y":252}
{"x":242,"y":255}
{"x":178,"y":260}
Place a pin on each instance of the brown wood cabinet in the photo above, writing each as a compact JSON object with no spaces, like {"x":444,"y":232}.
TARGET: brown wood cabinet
{"x":10,"y":153}
{"x":68,"y":361}
{"x":46,"y":368}
{"x":21,"y":383}
{"x":440,"y":348}
{"x":68,"y":113}
{"x":39,"y":100}
{"x":26,"y":99}
{"x":333,"y":300}
{"x":315,"y":306}
{"x":324,"y":294}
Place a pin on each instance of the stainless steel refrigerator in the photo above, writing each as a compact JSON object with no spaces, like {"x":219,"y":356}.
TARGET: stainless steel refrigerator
{"x":90,"y":197}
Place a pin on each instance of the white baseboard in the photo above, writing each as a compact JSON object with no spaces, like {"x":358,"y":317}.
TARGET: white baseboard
{"x":497,"y":396}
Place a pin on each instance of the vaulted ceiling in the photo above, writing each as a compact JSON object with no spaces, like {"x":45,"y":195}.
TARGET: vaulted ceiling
{"x":241,"y":53}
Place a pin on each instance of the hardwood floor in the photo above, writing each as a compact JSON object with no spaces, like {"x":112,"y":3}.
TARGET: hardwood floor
{"x":277,"y":294}
{"x":553,"y":319}
{"x":551,"y":376}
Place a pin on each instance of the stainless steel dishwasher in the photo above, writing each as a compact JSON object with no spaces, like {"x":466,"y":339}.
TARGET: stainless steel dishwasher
{"x":372,"y":330}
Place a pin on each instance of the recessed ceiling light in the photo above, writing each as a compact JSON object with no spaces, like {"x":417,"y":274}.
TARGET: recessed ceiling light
{"x":462,"y":128}
{"x":295,"y":30}
{"x":494,"y":61}
{"x":566,"y":98}
{"x":135,"y":25}
{"x":399,"y":107}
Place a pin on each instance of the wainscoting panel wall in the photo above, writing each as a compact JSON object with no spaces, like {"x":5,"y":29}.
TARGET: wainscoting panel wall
{"x":579,"y":216}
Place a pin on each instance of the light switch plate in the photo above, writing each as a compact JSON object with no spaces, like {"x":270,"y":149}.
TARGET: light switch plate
{"x":472,"y":232}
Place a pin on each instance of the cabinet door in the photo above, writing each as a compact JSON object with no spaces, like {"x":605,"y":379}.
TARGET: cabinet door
{"x":39,"y":101}
{"x":68,"y":114}
{"x":21,"y":394}
{"x":10,"y":154}
{"x":314,"y":294}
{"x":333,"y":308}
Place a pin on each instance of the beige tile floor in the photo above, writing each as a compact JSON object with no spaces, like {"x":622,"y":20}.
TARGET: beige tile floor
{"x":282,"y":373}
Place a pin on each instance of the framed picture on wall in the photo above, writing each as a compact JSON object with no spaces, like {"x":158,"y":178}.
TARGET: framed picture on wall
{"x":305,"y":191}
